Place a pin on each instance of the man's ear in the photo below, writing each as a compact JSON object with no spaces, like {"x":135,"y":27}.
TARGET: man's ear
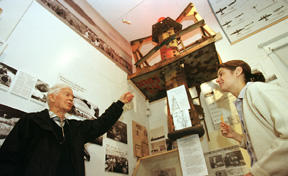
{"x":238,"y":71}
{"x":51,"y":98}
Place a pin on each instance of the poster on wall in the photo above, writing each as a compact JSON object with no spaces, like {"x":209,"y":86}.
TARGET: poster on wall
{"x":140,"y":140}
{"x":8,"y":118}
{"x":118,"y":132}
{"x":226,"y":161}
{"x":7,"y":76}
{"x":240,"y":19}
{"x":116,"y":160}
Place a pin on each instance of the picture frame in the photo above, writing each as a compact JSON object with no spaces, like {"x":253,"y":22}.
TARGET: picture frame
{"x":240,"y":19}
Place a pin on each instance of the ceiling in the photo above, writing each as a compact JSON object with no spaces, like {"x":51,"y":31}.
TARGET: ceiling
{"x":141,"y":14}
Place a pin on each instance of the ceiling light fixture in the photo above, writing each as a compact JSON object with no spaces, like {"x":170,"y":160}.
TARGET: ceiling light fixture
{"x":126,"y":21}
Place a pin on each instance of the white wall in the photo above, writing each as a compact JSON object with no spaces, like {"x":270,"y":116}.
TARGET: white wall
{"x":45,"y":47}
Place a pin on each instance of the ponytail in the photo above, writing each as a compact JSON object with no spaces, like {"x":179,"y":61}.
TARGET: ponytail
{"x":257,"y":76}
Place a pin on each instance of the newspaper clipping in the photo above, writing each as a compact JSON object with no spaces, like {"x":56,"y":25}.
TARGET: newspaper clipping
{"x":226,"y":161}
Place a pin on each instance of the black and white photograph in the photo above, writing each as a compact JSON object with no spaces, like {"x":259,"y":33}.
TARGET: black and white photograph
{"x":39,"y":94}
{"x":226,"y":161}
{"x":7,"y":75}
{"x":216,"y":161}
{"x":233,"y":159}
{"x":8,"y":118}
{"x":116,"y":159}
{"x":118,"y":132}
{"x":116,"y":164}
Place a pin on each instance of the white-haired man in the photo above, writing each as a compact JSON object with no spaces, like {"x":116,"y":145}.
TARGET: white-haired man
{"x":45,"y":143}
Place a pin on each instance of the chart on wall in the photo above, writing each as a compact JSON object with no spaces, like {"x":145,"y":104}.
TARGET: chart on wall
{"x":240,"y":19}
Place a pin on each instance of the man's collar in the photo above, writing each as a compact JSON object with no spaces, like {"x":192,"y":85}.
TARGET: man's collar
{"x":53,"y":115}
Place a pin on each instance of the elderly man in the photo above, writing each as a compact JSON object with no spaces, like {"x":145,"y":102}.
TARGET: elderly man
{"x":46,"y":144}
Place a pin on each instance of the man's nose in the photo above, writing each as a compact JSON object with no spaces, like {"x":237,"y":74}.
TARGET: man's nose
{"x":71,"y":98}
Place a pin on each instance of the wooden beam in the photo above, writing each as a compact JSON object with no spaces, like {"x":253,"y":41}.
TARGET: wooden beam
{"x":186,"y":11}
{"x":169,"y":39}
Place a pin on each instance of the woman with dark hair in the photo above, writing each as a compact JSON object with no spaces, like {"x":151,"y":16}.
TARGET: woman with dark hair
{"x":262,"y":110}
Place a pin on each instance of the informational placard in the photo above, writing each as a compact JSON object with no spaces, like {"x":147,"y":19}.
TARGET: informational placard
{"x":189,"y":149}
{"x":24,"y":85}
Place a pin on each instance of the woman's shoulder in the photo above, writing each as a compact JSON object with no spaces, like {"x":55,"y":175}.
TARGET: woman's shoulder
{"x":264,"y":88}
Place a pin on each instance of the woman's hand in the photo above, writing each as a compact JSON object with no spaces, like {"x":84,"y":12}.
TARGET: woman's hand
{"x":228,"y":132}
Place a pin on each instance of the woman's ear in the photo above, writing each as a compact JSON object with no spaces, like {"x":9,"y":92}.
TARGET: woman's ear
{"x":238,"y":71}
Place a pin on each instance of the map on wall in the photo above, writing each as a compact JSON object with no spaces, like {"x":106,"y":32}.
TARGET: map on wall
{"x":240,"y":19}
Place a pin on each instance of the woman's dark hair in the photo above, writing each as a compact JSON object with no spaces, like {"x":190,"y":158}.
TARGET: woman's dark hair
{"x":248,"y":75}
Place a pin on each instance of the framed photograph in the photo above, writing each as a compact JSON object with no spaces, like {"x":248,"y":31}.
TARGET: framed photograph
{"x":116,"y":159}
{"x":118,"y":132}
{"x":240,"y":19}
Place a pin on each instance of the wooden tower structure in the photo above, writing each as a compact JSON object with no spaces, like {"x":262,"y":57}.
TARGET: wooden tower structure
{"x":188,"y":65}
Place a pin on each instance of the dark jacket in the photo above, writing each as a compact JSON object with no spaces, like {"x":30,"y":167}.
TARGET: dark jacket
{"x":33,"y":147}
